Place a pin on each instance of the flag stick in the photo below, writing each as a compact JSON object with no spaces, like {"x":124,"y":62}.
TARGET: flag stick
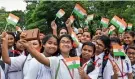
{"x":6,"y":27}
{"x":71,"y":13}
{"x":55,"y":18}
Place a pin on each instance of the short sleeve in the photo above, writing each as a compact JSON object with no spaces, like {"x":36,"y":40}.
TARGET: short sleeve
{"x":53,"y":62}
{"x":17,"y":63}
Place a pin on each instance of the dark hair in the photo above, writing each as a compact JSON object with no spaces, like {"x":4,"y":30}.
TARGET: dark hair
{"x":130,"y":47}
{"x":72,"y":51}
{"x":61,"y":29}
{"x":131,"y":33}
{"x":11,"y":33}
{"x":91,"y":66}
{"x":46,"y":38}
{"x":116,"y":40}
{"x":105,"y":39}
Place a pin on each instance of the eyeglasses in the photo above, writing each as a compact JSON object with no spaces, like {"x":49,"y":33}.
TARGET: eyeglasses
{"x":65,"y":42}
{"x":131,"y":53}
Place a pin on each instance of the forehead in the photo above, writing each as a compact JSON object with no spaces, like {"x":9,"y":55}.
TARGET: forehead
{"x":65,"y":38}
{"x":86,"y":33}
{"x":87,"y":47}
{"x":63,"y":30}
{"x":52,"y":39}
{"x":34,"y":41}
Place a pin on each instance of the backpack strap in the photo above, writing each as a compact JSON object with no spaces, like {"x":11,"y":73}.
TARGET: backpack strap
{"x":57,"y":70}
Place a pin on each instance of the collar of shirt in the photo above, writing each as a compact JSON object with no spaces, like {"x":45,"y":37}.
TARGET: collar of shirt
{"x":29,"y":57}
{"x":100,"y":56}
{"x":61,"y":57}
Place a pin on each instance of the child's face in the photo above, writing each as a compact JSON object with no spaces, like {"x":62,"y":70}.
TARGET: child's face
{"x":11,"y":40}
{"x":131,"y":55}
{"x":65,"y":45}
{"x":128,"y":39}
{"x":87,"y":52}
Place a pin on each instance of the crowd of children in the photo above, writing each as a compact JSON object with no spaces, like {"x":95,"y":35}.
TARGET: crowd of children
{"x":45,"y":57}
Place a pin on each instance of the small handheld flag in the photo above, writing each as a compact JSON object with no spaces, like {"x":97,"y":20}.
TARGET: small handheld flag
{"x":116,"y":21}
{"x":73,"y":62}
{"x":12,"y":19}
{"x":105,"y":22}
{"x":60,"y":13}
{"x":79,"y":11}
{"x":118,"y":50}
{"x":129,"y":26}
{"x":111,"y":29}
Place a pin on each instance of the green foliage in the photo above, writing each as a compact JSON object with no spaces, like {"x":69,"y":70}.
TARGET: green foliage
{"x":44,"y":13}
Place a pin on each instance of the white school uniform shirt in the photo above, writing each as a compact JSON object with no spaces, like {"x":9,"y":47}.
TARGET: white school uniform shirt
{"x":108,"y":70}
{"x":100,"y":57}
{"x":14,"y":70}
{"x":63,"y":72}
{"x":94,"y":73}
{"x":78,"y":49}
{"x":133,"y":70}
{"x":126,"y":66}
{"x":31,"y":68}
{"x":2,"y":74}
{"x":44,"y":72}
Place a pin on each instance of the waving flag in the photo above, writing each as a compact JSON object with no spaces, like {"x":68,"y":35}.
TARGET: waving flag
{"x":89,"y":18}
{"x":79,"y":11}
{"x":118,"y":50}
{"x":74,"y":37}
{"x":122,"y":26}
{"x":116,"y":21}
{"x":60,"y":13}
{"x":73,"y":62}
{"x":105,"y":22}
{"x":111,"y":29}
{"x":12,"y":19}
{"x":129,"y":26}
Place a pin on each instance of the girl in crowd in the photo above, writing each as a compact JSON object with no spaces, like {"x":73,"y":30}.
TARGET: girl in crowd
{"x":113,"y":34}
{"x":62,"y":31}
{"x":89,"y":69}
{"x":98,"y":32}
{"x":102,"y":51}
{"x":57,"y":64}
{"x":123,"y":63}
{"x":129,"y":39}
{"x":28,"y":66}
{"x":131,"y":54}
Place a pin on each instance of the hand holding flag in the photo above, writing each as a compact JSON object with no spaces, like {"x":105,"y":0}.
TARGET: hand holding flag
{"x":53,"y":25}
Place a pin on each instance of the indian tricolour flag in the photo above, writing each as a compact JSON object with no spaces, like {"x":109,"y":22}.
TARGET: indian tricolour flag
{"x":73,"y":62}
{"x":105,"y":22}
{"x":60,"y":13}
{"x":111,"y":29}
{"x":12,"y":19}
{"x":74,"y":37}
{"x":79,"y":11}
{"x":123,"y":26}
{"x":116,"y":21}
{"x":129,"y":26}
{"x":90,"y":17}
{"x":71,"y":19}
{"x":118,"y":50}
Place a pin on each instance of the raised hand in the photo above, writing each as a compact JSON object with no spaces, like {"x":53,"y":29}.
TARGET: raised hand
{"x":53,"y":25}
{"x":68,"y":23}
{"x":4,"y":37}
{"x":23,"y":35}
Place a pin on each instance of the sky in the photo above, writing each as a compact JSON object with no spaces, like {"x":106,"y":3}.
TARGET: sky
{"x":11,"y":5}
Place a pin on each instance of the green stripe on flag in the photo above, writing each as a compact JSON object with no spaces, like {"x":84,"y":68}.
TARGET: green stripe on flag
{"x":77,"y":12}
{"x":11,"y":22}
{"x":119,"y":53}
{"x":114,"y":22}
{"x":104,"y":24}
{"x":72,"y":66}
